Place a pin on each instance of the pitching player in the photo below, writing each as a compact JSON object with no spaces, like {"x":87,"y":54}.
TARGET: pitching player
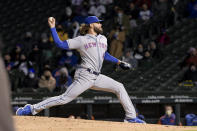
{"x":92,"y":47}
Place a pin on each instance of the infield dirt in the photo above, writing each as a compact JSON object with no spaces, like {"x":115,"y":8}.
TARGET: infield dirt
{"x":36,"y":123}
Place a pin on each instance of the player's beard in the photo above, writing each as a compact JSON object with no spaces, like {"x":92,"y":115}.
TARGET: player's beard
{"x":98,"y":30}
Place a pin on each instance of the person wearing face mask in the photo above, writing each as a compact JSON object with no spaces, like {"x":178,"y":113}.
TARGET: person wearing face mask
{"x":117,"y":37}
{"x":47,"y":81}
{"x":63,"y":79}
{"x":69,"y":59}
{"x":128,"y":57}
{"x":31,"y":80}
{"x":35,"y":56}
{"x":139,"y":52}
{"x":122,"y":19}
{"x":147,"y":60}
{"x":155,"y":51}
{"x":169,"y":118}
{"x":28,"y":41}
{"x":20,"y":71}
{"x":145,"y":13}
{"x":24,"y":64}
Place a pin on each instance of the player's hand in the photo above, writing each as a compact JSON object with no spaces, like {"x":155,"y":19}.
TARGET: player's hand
{"x":51,"y":22}
{"x":124,"y":65}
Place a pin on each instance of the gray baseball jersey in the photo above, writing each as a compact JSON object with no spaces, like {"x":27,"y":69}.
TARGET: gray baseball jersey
{"x":92,"y":50}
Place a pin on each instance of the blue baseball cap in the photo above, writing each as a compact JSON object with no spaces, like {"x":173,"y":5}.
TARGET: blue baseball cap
{"x":92,"y":19}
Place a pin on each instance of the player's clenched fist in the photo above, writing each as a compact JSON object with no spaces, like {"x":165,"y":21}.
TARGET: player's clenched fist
{"x":51,"y":22}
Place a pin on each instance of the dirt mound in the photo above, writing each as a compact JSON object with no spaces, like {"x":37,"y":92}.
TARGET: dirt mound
{"x":35,"y":123}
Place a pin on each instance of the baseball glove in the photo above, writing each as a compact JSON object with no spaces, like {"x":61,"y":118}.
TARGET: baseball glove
{"x":125,"y":66}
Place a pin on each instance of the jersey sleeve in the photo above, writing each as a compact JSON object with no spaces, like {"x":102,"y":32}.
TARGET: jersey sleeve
{"x":110,"y":58}
{"x":74,"y":43}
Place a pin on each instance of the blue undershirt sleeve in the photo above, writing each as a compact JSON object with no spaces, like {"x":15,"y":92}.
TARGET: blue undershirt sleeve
{"x":58,"y":42}
{"x":110,"y":58}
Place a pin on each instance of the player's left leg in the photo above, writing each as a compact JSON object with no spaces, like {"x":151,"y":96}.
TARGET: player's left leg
{"x":105,"y":83}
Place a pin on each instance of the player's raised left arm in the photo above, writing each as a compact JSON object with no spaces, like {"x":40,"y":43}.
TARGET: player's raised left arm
{"x":112,"y":59}
{"x":58,"y":42}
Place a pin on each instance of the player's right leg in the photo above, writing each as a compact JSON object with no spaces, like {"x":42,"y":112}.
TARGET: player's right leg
{"x":81,"y":84}
{"x":107,"y":84}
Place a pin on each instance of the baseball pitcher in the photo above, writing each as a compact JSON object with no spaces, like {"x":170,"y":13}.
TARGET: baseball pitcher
{"x":92,"y":47}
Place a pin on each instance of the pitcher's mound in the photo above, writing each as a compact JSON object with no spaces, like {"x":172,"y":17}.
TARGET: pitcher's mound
{"x":35,"y":123}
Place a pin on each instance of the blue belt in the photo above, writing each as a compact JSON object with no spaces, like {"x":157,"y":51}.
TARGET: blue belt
{"x":93,"y":72}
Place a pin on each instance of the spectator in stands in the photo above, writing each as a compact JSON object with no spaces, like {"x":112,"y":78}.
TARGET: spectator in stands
{"x":31,"y":80}
{"x":191,"y":74}
{"x":117,"y":37}
{"x":28,"y":42}
{"x":97,"y":9}
{"x":8,"y":63}
{"x":45,"y":50}
{"x":68,"y":59}
{"x":133,"y":13}
{"x":44,"y":42}
{"x":35,"y":57}
{"x":192,"y":58}
{"x":163,"y":39}
{"x":63,"y":79}
{"x":20,"y":71}
{"x":145,"y":13}
{"x":139,"y":53}
{"x":192,"y":9}
{"x":82,"y":10}
{"x":169,"y":118}
{"x":129,"y":58}
{"x":68,"y":11}
{"x":47,"y":81}
{"x":155,"y":51}
{"x":16,"y":53}
{"x":46,"y":67}
{"x":191,"y":120}
{"x":122,"y":19}
{"x":66,"y":18}
{"x":147,"y":61}
{"x":23,"y":65}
